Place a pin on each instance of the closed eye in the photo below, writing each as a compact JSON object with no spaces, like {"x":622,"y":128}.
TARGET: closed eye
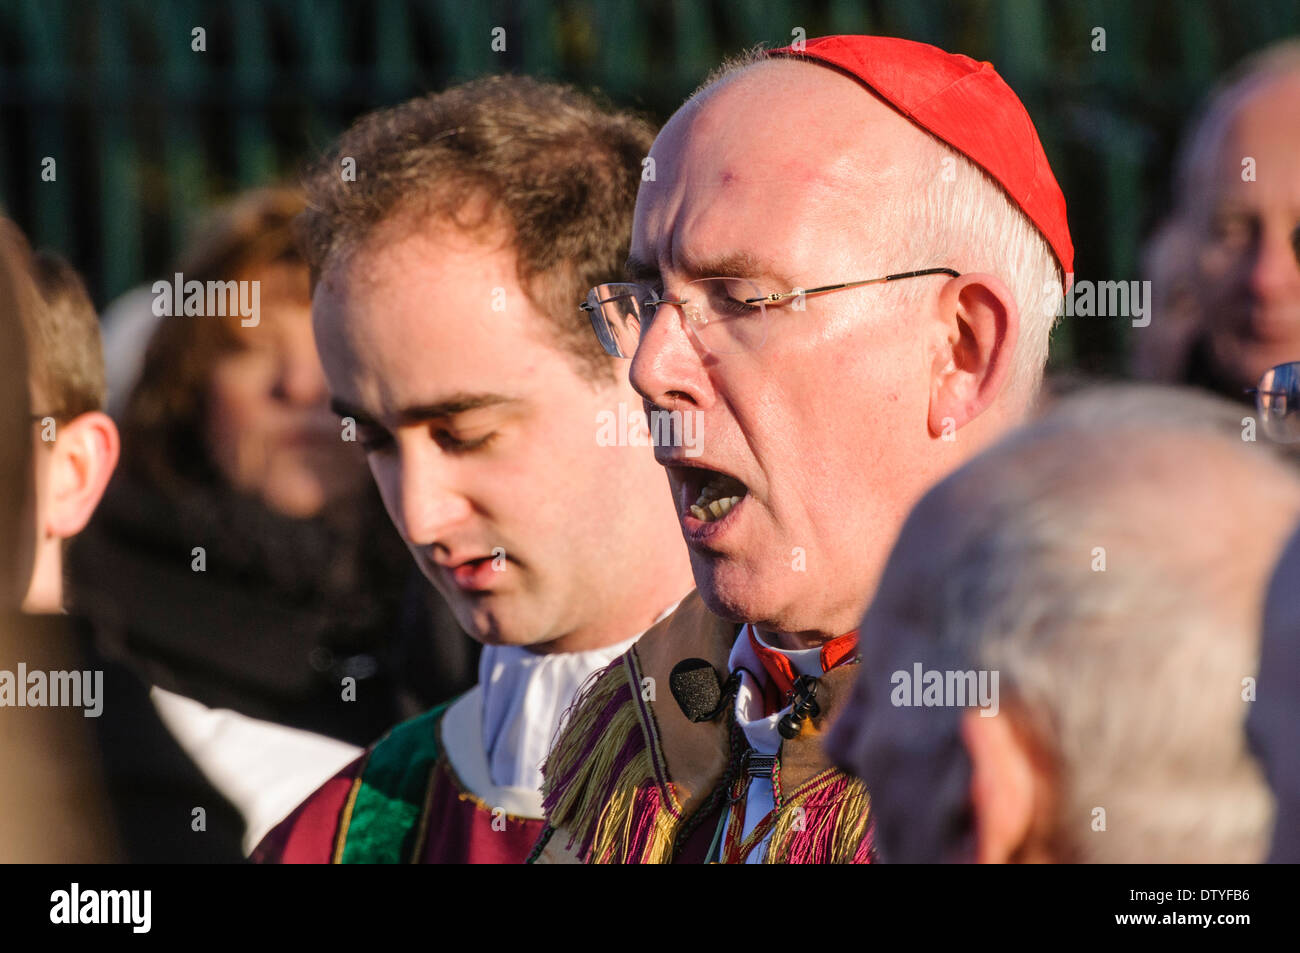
{"x":378,"y":440}
{"x":452,"y":444}
{"x":731,"y":308}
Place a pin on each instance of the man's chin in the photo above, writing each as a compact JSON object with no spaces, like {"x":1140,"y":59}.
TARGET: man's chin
{"x":730,"y":592}
{"x":523,"y":640}
{"x":1243,"y":362}
{"x":494,"y":620}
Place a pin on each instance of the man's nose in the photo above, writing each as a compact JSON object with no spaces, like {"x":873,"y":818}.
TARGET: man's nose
{"x":667,"y":369}
{"x":430,"y":503}
{"x":1275,"y":272}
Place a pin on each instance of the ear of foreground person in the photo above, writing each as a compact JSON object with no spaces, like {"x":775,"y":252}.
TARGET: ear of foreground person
{"x":78,"y":443}
{"x":847,"y":314}
{"x":1066,"y":645}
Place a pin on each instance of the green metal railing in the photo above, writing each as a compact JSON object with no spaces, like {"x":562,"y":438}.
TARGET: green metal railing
{"x":147,"y":132}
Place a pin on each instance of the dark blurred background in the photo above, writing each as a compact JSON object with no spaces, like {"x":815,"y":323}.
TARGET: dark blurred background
{"x":147,"y":133}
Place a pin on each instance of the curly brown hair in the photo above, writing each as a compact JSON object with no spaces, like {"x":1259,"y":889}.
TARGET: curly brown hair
{"x":558,"y":169}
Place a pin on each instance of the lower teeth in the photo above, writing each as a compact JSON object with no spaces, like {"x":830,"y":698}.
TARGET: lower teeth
{"x":711,"y":506}
{"x":714,"y":509}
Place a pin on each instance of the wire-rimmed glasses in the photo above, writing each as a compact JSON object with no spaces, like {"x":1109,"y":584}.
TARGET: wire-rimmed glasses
{"x":725,"y":315}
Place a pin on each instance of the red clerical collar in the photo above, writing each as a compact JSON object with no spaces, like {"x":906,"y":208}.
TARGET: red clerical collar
{"x":781,"y":673}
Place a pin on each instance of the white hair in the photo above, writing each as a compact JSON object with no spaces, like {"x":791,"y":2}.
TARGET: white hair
{"x":1129,"y":673}
{"x":955,"y":214}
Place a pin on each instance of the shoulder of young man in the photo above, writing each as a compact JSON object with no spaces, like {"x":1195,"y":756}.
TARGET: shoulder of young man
{"x":310,"y":834}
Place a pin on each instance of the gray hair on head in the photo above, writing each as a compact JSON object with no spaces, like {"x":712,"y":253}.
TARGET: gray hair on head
{"x":1110,"y":561}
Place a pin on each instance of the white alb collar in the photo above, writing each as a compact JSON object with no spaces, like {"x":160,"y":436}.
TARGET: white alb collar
{"x":524,"y":695}
{"x":760,"y":729}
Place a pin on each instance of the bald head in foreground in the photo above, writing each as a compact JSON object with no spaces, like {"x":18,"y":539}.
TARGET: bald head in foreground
{"x":1066,"y":643}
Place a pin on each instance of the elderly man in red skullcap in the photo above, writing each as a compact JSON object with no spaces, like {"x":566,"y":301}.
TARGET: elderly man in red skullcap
{"x":842,"y":273}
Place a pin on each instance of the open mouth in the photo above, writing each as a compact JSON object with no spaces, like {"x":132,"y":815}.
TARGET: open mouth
{"x":714,"y":493}
{"x":477,"y":574}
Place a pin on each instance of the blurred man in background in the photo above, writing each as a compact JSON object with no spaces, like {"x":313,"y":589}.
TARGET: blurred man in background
{"x":448,"y":270}
{"x":1225,"y":267}
{"x":1104,"y":570}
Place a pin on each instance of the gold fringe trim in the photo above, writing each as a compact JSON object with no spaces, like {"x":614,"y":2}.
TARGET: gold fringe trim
{"x":614,"y":834}
{"x":597,"y":806}
{"x":849,"y":818}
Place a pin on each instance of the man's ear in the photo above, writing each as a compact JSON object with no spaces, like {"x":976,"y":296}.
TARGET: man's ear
{"x":1007,"y":791}
{"x":972,"y":364}
{"x":84,"y":454}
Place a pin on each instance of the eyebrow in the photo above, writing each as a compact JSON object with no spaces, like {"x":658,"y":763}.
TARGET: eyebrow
{"x":448,"y":407}
{"x":734,"y":265}
{"x":638,"y":269}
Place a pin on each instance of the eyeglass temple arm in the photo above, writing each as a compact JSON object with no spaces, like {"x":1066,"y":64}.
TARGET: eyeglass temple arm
{"x":587,"y":307}
{"x":650,"y":301}
{"x":773,"y":298}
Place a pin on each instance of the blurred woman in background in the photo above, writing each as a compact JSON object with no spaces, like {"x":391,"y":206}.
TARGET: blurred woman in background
{"x":241,"y":559}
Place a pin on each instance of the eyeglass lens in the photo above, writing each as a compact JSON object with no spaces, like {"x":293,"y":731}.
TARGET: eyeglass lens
{"x":714,"y":310}
{"x":1278,"y":403}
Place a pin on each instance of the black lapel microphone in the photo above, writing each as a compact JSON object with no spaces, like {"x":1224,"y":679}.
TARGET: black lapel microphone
{"x":699,"y":692}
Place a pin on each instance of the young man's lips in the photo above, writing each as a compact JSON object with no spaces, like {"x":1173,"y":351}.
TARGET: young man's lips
{"x":474,"y":575}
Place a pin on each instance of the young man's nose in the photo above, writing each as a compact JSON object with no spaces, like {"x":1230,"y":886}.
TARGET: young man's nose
{"x":431,"y":503}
